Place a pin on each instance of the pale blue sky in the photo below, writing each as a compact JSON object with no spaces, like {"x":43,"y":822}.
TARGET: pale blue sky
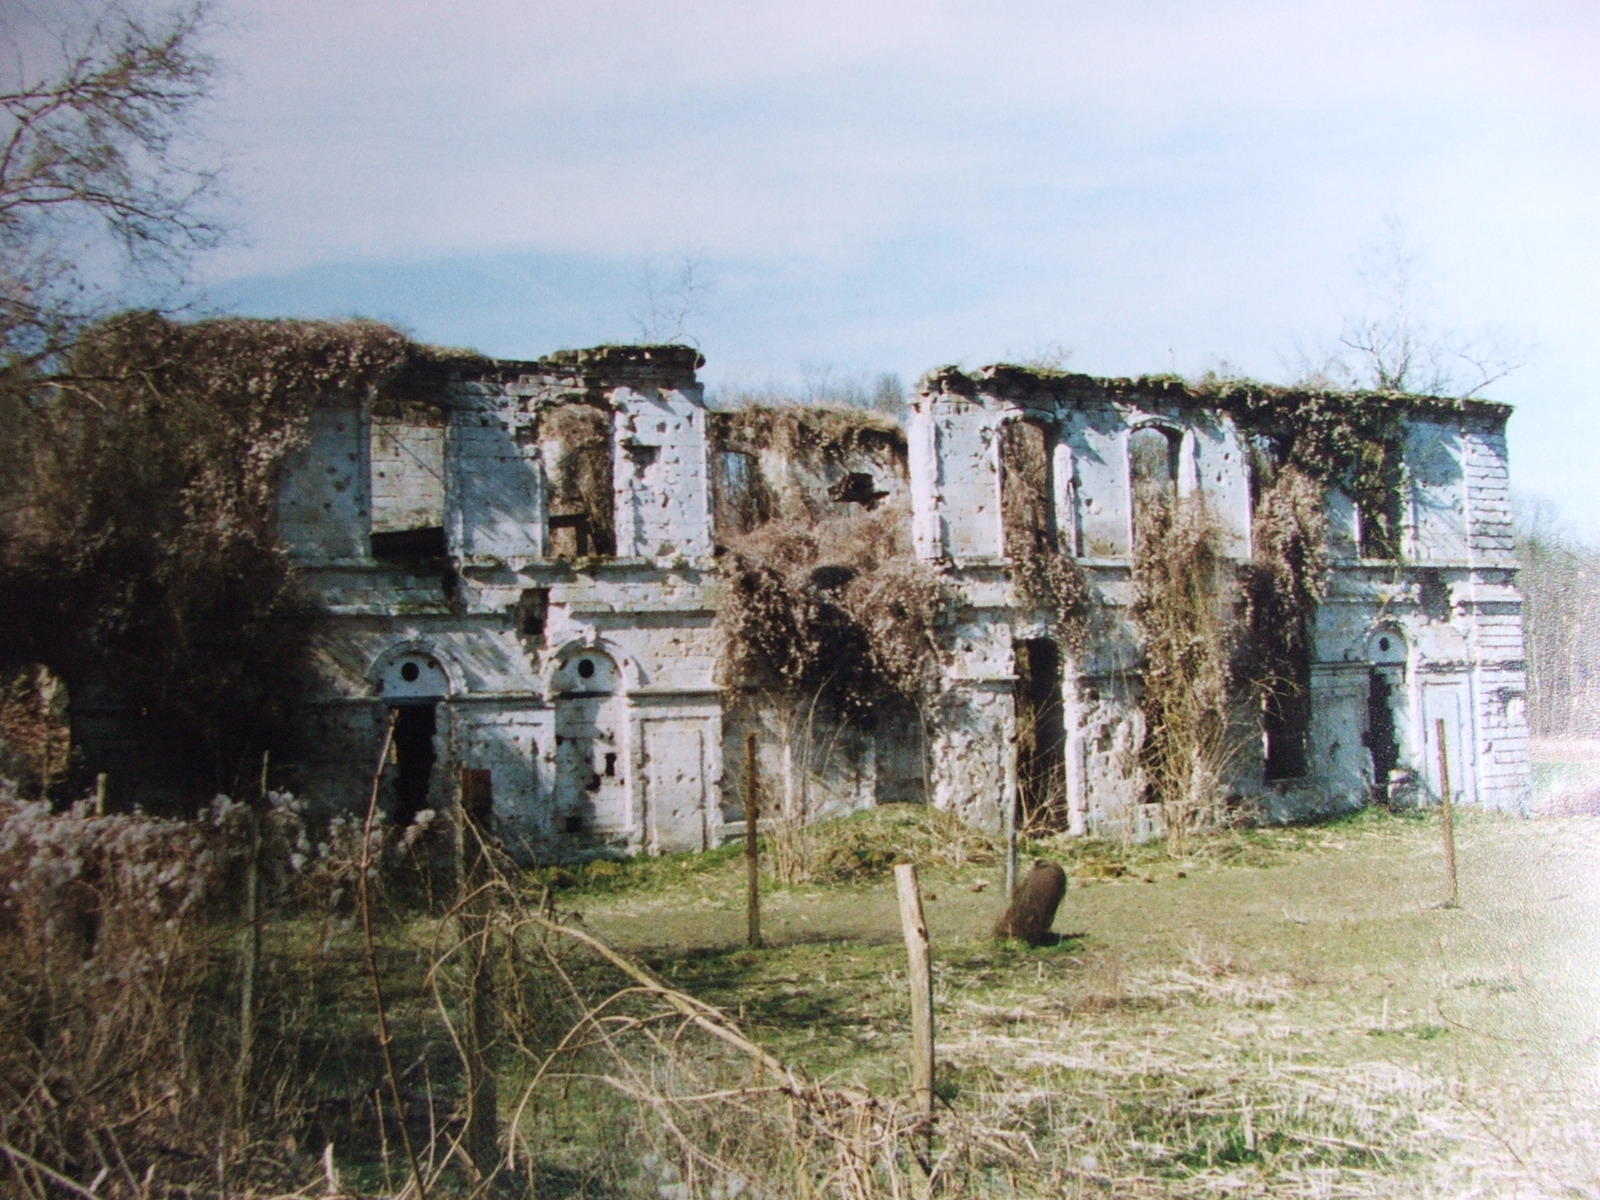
{"x":879,"y":185}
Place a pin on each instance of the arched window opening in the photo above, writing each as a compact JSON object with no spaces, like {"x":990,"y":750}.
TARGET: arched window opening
{"x":1153,"y":474}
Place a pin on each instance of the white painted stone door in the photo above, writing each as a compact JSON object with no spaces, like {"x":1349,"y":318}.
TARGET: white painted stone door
{"x":591,"y":767}
{"x":674,"y":753}
{"x":1447,"y":702}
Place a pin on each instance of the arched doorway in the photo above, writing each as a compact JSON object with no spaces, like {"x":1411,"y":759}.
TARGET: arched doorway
{"x":1386,"y":702}
{"x":591,"y":783}
{"x":413,"y":683}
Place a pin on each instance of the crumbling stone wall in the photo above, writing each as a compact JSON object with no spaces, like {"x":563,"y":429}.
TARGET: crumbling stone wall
{"x":1444,"y":589}
{"x":587,"y":685}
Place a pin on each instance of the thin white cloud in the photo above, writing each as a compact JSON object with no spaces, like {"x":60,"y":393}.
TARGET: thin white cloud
{"x":411,"y":128}
{"x":886,"y":183}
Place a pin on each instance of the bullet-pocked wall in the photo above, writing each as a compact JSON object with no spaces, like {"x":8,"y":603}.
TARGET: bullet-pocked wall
{"x":1425,"y":634}
{"x":520,"y":572}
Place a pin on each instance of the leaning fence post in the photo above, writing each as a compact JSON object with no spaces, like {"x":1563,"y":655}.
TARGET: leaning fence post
{"x":1448,"y":813}
{"x":752,"y":854}
{"x":915,"y":928}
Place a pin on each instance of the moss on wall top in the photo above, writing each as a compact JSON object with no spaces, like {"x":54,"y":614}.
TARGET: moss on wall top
{"x":807,"y":433}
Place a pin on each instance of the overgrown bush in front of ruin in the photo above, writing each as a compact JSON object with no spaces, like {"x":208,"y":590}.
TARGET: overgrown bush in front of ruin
{"x":822,"y":625}
{"x":1185,"y":606}
{"x":139,"y":543}
{"x":840,"y":612}
{"x":119,"y":984}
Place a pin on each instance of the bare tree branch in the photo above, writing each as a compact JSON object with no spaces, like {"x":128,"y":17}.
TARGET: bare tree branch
{"x":1393,"y":345}
{"x":103,"y":180}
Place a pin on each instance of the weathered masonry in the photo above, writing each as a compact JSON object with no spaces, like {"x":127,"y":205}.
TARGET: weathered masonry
{"x":520,"y":570}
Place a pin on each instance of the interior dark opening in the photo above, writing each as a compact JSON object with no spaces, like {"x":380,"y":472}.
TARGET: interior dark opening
{"x":1286,"y":718}
{"x":409,"y":545}
{"x":1383,"y":743}
{"x":414,"y":728}
{"x":856,"y":487}
{"x":477,"y":795}
{"x":533,"y":611}
{"x":1041,"y":734}
{"x":569,"y":536}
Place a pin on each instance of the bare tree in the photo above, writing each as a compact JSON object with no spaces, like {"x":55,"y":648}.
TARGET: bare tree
{"x":103,"y":179}
{"x":667,"y":305}
{"x":1393,"y":345}
{"x":1560,"y":579}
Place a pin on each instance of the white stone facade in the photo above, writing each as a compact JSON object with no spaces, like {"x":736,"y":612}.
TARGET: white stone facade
{"x":565,"y":672}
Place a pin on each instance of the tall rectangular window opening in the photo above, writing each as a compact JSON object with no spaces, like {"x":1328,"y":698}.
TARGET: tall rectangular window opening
{"x":406,"y":457}
{"x":576,"y":443}
{"x":1027,"y":488}
{"x":740,"y":496}
{"x":1041,"y":735}
{"x":1379,"y":493}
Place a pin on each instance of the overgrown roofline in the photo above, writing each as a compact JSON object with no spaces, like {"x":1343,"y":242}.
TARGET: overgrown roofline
{"x":668,"y":365}
{"x":1009,"y":381}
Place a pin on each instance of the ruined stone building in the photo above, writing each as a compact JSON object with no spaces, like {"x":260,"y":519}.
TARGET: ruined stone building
{"x":522,"y":568}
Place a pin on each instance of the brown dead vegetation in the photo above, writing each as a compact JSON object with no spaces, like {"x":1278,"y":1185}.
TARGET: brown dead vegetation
{"x":138,"y":521}
{"x":1185,"y":605}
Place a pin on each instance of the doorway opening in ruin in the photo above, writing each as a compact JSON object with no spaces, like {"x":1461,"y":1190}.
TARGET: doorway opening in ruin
{"x":900,"y":751}
{"x":1383,"y":741}
{"x":1386,"y":699}
{"x":591,"y":719}
{"x":1041,"y":734}
{"x":1286,"y":718}
{"x":414,"y":727}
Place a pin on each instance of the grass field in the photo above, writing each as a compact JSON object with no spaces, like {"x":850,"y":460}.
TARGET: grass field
{"x":1282,"y":1013}
{"x":1286,"y":1012}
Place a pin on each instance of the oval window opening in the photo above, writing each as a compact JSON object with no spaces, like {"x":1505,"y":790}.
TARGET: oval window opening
{"x":1383,"y":643}
{"x":410,"y":671}
{"x":585,"y":667}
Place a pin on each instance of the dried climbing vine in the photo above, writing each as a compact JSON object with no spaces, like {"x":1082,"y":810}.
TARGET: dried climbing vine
{"x":841,"y":611}
{"x":1046,"y":577}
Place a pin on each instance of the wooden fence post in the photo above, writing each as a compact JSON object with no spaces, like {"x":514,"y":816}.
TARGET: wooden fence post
{"x":475,"y":927}
{"x":250,"y":951}
{"x":915,"y":928}
{"x":1448,"y":811}
{"x":752,"y":855}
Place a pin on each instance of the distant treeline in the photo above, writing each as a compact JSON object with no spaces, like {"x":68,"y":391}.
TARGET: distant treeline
{"x":1560,"y":579}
